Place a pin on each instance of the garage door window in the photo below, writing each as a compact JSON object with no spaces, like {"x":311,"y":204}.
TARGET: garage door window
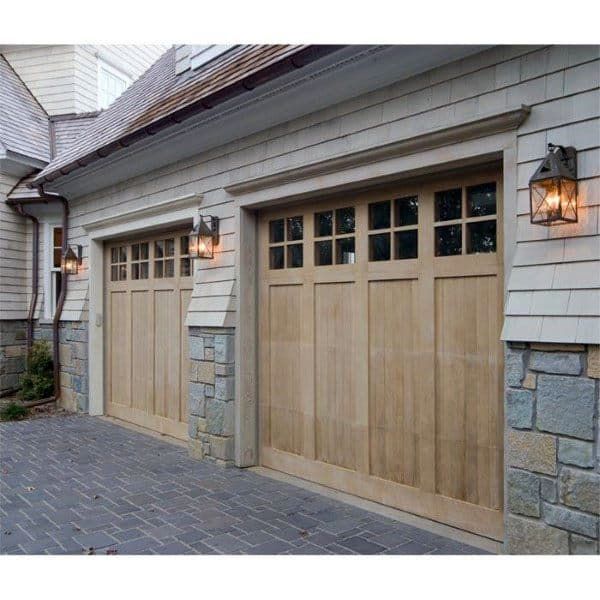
{"x":164,"y":263}
{"x":343,"y":223}
{"x":118,"y":263}
{"x":465,"y":220}
{"x":285,"y":243}
{"x":139,"y":261}
{"x":399,"y":239}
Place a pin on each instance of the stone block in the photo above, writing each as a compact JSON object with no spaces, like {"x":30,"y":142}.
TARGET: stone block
{"x":209,"y":354}
{"x":514,"y":367}
{"x":526,"y":536}
{"x":196,"y":402}
{"x":572,"y":520}
{"x":575,"y":452}
{"x":225,"y":388}
{"x":559,"y":363}
{"x":79,"y":384}
{"x":195,"y":449}
{"x":209,"y":341}
{"x":519,"y":408}
{"x":531,"y":451}
{"x":202,"y":371}
{"x":549,"y":489}
{"x":195,"y":426}
{"x":583,"y":545}
{"x":65,"y":355}
{"x":530,"y":381}
{"x":523,"y":493}
{"x":593,"y":362}
{"x":580,"y":489}
{"x":221,"y":447}
{"x":196,"y":348}
{"x":224,"y":348}
{"x":224,"y":370}
{"x":209,"y":391}
{"x":219,"y":417}
{"x":566,"y":405}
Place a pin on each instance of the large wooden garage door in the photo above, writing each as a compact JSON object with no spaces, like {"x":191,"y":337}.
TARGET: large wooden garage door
{"x":148,"y":288}
{"x":380,"y":368}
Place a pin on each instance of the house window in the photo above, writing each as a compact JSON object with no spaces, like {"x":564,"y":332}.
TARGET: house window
{"x":54,"y":283}
{"x":111,"y":84}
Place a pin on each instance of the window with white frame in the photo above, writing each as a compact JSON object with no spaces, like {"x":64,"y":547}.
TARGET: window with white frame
{"x":53,"y":276}
{"x":111,"y":83}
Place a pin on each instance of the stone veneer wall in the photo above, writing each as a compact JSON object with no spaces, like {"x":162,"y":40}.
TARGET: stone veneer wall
{"x":73,"y":349}
{"x":552,"y":501}
{"x":13,"y":354}
{"x":211,"y":394}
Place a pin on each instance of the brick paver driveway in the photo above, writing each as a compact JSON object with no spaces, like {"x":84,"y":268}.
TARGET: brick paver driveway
{"x":79,"y":484}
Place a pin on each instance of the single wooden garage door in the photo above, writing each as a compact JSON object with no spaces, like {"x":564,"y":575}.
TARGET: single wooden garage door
{"x":380,"y":368}
{"x":148,"y":287}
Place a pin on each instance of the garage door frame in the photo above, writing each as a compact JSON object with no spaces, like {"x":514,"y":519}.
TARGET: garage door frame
{"x":172,"y":213}
{"x":493,"y":138}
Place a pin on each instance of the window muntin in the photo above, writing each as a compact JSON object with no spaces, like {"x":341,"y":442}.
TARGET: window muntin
{"x":185,"y":261}
{"x":118,"y":263}
{"x":164,"y":261}
{"x":140,"y":260}
{"x":393,"y":238}
{"x":339,"y":226}
{"x":286,"y":249}
{"x":465,"y":220}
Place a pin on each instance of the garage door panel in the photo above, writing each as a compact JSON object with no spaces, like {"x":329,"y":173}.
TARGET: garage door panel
{"x":466,"y":367}
{"x":338,"y":438}
{"x":393,"y":373}
{"x":285,"y":387}
{"x":142,"y":352}
{"x":120,"y":356}
{"x":184,"y":302}
{"x":166,"y":363}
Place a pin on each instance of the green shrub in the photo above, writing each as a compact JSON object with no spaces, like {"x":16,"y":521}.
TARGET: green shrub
{"x":13,"y":412}
{"x":38,"y":381}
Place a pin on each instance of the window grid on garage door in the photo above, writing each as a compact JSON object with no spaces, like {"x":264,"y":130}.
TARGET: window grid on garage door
{"x":164,"y":257}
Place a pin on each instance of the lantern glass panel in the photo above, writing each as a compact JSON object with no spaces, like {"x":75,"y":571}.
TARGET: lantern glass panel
{"x":554,"y":201}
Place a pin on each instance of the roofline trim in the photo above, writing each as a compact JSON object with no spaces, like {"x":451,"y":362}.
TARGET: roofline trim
{"x":288,"y":64}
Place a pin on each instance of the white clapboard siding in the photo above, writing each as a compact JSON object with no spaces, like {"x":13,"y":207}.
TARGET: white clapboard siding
{"x":15,"y":269}
{"x":559,"y":83}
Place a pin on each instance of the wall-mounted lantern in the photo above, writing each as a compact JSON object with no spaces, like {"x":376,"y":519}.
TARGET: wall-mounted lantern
{"x":204,"y":237}
{"x":553,"y":188}
{"x":71,"y":261}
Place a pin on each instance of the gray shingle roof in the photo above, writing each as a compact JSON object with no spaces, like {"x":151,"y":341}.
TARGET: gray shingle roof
{"x":160,"y":98}
{"x":67,"y":128}
{"x":23,"y":122}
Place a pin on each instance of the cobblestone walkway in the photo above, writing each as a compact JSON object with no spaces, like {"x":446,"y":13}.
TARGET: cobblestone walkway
{"x":79,"y":484}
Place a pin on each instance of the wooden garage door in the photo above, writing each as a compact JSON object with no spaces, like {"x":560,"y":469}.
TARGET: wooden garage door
{"x":148,"y":288}
{"x":380,"y":367}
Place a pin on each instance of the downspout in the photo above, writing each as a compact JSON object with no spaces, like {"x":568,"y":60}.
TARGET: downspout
{"x":63,"y":292}
{"x":35,"y":250}
{"x":44,"y":199}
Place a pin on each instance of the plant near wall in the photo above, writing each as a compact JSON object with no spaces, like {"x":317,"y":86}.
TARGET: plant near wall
{"x":38,"y":381}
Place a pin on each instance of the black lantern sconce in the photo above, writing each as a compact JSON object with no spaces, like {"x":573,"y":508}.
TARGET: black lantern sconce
{"x":71,"y":261}
{"x":553,"y":188}
{"x":204,"y":237}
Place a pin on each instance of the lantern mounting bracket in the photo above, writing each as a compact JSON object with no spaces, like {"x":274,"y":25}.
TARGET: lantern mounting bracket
{"x":567,"y":155}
